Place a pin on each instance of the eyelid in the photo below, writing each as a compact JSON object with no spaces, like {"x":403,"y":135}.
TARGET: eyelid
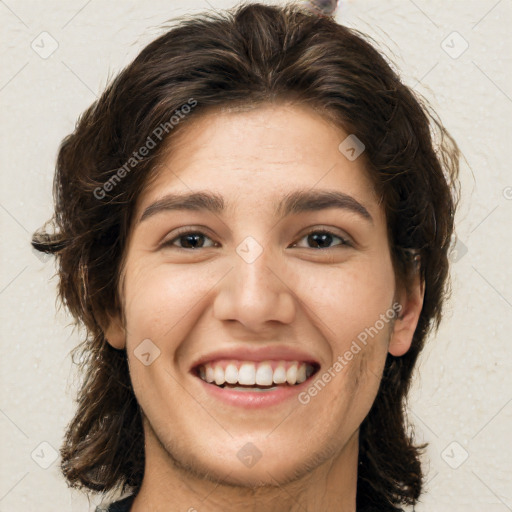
{"x":347,"y":240}
{"x":179,"y":232}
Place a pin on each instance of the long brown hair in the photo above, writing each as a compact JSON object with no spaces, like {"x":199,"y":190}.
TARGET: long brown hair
{"x":251,"y":55}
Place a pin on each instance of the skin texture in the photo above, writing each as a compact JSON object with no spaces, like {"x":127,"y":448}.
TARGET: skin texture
{"x":189,"y":302}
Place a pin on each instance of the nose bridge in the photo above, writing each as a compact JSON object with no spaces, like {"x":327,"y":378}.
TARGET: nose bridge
{"x":254,"y":292}
{"x":254,"y":267}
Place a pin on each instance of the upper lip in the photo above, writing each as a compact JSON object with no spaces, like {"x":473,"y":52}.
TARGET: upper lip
{"x":257,"y":354}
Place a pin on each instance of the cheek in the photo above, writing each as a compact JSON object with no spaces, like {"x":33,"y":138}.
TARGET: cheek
{"x":349,"y":298}
{"x":161,"y":302}
{"x":161,"y":306}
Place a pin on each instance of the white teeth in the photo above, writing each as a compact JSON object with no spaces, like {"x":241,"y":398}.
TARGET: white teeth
{"x":301,"y":374}
{"x":231,"y":374}
{"x":280,"y":374}
{"x":291,"y":374}
{"x":256,"y":374}
{"x":210,"y":374}
{"x":264,"y":375}
{"x":247,"y":374}
{"x":219,"y":375}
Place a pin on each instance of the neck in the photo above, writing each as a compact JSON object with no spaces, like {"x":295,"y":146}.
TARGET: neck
{"x":168,"y":487}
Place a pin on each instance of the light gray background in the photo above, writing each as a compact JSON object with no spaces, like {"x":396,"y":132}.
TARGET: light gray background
{"x":461,"y":403}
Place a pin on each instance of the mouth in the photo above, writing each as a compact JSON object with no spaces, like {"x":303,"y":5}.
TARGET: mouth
{"x":255,"y":376}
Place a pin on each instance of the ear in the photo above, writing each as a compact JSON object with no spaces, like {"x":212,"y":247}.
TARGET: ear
{"x":403,"y":330}
{"x":115,"y":333}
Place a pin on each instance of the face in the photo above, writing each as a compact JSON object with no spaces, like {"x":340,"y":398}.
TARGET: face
{"x":283,"y":292}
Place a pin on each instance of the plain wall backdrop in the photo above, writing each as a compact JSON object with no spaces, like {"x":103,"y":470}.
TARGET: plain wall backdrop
{"x":56,"y":58}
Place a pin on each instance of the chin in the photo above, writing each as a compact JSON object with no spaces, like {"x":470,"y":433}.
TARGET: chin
{"x":258,"y":463}
{"x":262,"y":475}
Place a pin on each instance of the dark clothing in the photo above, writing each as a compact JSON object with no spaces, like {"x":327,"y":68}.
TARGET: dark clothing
{"x":119,"y":506}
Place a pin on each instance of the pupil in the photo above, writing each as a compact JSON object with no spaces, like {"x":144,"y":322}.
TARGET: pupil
{"x":189,"y":237}
{"x":323,"y":237}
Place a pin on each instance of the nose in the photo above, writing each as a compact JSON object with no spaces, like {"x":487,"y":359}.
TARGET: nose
{"x":256,"y":292}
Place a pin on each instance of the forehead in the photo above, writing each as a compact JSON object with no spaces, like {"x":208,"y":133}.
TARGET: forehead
{"x":259,"y":154}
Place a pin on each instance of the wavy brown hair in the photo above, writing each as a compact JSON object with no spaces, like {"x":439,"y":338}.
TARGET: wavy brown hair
{"x":248,"y":56}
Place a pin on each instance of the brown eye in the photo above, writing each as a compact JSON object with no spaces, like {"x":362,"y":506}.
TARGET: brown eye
{"x":322,"y":239}
{"x":189,"y":240}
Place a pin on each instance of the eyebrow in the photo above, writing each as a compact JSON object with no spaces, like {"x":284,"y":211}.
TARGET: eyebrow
{"x":298,"y":201}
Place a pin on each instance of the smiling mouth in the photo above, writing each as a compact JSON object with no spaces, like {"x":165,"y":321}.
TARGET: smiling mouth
{"x":255,"y":376}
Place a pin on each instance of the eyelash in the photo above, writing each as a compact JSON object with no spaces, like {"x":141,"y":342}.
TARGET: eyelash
{"x":187,"y":231}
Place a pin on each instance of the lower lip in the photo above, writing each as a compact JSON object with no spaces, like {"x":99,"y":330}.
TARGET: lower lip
{"x":255,"y":399}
